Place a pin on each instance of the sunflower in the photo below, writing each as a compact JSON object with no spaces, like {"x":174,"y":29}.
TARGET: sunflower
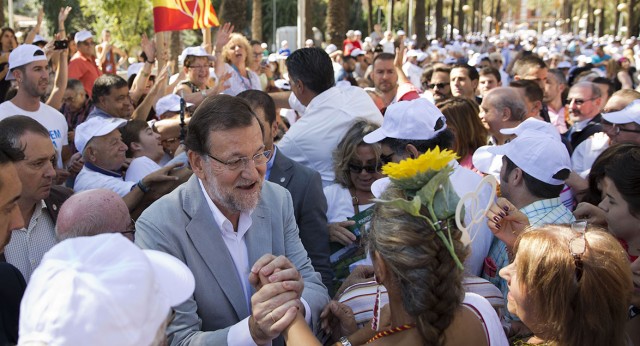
{"x":412,"y":174}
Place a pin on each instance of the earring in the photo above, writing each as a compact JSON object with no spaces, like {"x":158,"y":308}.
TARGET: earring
{"x":377,"y":307}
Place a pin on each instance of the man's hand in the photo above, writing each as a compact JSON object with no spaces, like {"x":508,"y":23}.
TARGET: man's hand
{"x":161,"y":175}
{"x":339,"y":233}
{"x":75,"y":164}
{"x":274,"y":306}
{"x":277,"y":269}
{"x":362,"y":273}
{"x":61,"y":176}
{"x":337,"y":320}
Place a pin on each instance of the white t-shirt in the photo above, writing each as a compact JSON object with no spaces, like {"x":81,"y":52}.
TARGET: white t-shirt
{"x":89,"y":179}
{"x":49,"y":117}
{"x":312,"y":139}
{"x":139,"y":168}
{"x":237,"y":83}
{"x":339,"y":203}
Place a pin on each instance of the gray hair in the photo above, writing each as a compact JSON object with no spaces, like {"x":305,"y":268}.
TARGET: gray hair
{"x":505,"y":97}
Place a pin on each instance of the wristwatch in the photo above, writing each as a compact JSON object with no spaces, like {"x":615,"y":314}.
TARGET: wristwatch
{"x":344,"y":341}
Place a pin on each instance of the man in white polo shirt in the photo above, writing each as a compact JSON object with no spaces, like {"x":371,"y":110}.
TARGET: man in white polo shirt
{"x":28,"y":66}
{"x":103,"y":151}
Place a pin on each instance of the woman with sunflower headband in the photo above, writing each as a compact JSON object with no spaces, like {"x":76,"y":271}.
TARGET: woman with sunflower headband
{"x":417,"y":254}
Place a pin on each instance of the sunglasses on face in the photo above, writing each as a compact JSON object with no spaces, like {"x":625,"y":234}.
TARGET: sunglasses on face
{"x":354,"y":168}
{"x":437,"y":85}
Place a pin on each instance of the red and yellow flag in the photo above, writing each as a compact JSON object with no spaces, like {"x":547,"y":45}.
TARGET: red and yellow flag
{"x":171,"y":15}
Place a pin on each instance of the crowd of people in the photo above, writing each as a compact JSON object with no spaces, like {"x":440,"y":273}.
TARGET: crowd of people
{"x":482,"y":190}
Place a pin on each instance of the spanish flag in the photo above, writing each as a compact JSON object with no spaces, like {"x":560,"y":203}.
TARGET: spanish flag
{"x":172,"y":15}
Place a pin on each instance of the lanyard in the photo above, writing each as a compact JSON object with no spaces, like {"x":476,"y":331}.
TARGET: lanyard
{"x":247,"y":87}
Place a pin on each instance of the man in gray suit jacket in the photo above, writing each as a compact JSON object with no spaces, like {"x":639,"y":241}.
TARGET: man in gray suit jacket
{"x":230,"y":227}
{"x":304,"y":184}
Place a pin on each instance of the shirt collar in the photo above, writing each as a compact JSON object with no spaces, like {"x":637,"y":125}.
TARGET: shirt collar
{"x":244,"y":222}
{"x":97,"y":169}
{"x":272,"y":159}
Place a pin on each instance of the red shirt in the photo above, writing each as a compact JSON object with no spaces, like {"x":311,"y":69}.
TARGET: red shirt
{"x":84,"y":70}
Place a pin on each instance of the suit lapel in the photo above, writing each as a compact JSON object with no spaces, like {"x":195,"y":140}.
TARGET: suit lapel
{"x":207,"y":240}
{"x":258,"y":237}
{"x":281,"y":171}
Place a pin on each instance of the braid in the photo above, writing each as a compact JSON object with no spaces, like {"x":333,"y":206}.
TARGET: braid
{"x":430,"y":281}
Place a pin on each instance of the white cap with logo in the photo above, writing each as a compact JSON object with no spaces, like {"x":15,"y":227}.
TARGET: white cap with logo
{"x":24,"y":54}
{"x":102,"y":290}
{"x":536,"y":154}
{"x":416,"y":119}
{"x":95,"y":127}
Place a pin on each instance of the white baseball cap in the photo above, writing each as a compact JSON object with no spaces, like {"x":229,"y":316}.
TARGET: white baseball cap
{"x":169,"y":103}
{"x":450,"y":60}
{"x":413,"y":52}
{"x":39,"y":38}
{"x":95,"y":127}
{"x":331,"y":48}
{"x":195,"y":51}
{"x":102,"y":290}
{"x":564,"y":64}
{"x":539,"y":156}
{"x":401,"y":33}
{"x":24,"y":54}
{"x":82,"y":35}
{"x":533,"y":127}
{"x":630,"y":114}
{"x":134,"y":69}
{"x":356,"y":52}
{"x":414,"y":120}
{"x":357,"y":32}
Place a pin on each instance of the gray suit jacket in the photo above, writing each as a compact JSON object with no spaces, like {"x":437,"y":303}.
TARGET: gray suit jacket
{"x":182,"y":225}
{"x":310,"y":209}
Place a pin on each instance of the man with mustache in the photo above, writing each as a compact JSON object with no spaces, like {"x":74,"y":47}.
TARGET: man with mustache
{"x":584,"y":103}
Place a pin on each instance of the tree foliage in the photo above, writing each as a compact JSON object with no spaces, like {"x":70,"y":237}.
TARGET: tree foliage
{"x":126,"y":19}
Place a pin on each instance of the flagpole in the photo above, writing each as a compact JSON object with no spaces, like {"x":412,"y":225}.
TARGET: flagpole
{"x":160,"y":48}
{"x":206,"y":40}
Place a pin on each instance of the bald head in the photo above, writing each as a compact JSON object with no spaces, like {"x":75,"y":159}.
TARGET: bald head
{"x":508,"y":98}
{"x":92,"y":212}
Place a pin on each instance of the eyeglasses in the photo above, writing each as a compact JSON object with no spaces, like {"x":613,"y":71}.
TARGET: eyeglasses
{"x":579,"y":102}
{"x":498,"y":61}
{"x":234,"y":164}
{"x":202,"y":67}
{"x":353,"y":168}
{"x":386,"y":158}
{"x":437,"y":85}
{"x":578,"y":245}
{"x":257,"y":55}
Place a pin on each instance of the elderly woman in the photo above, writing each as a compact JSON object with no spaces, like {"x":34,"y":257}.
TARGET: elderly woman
{"x":233,"y":56}
{"x":570,"y":288}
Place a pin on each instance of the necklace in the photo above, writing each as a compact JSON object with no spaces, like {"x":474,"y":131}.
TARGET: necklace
{"x":395,"y":330}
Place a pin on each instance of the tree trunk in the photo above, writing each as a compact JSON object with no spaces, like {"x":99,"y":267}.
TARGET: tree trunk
{"x":391,"y":5}
{"x":2,"y":13}
{"x":256,"y":21}
{"x":421,"y":37}
{"x":308,"y":23}
{"x":461,"y":17}
{"x":336,"y":22}
{"x":439,"y":19}
{"x":632,"y":27}
{"x":601,"y":25}
{"x":234,"y":12}
{"x":370,"y":12}
{"x":452,"y":18}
